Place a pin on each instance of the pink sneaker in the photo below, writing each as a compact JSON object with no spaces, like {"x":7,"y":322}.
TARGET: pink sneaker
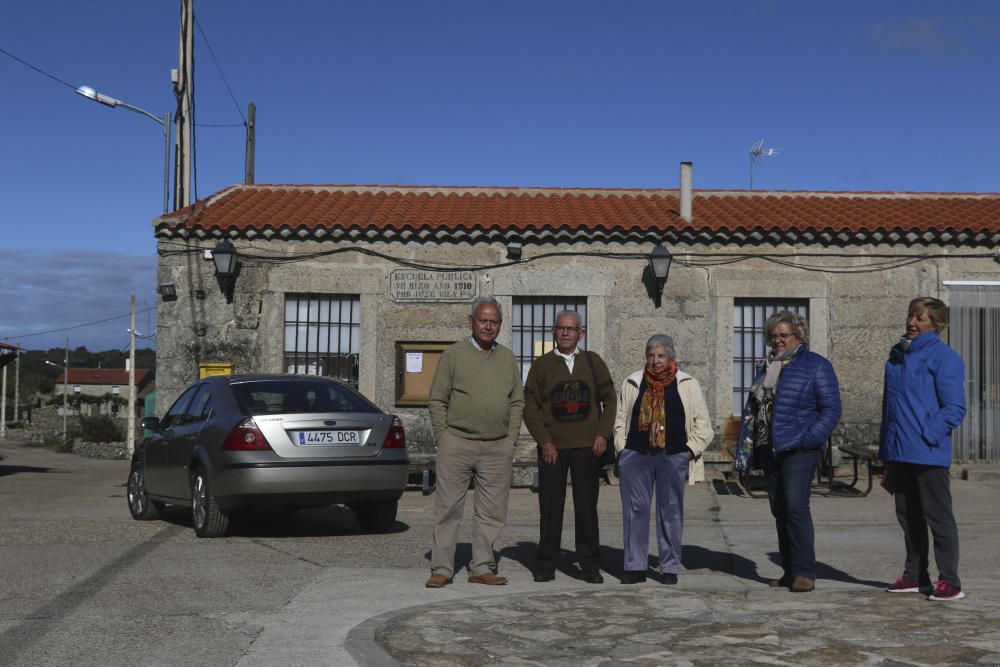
{"x":945,"y":592}
{"x":904,"y":585}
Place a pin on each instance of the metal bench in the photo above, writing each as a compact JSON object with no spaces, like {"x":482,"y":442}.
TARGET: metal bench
{"x":855,"y":454}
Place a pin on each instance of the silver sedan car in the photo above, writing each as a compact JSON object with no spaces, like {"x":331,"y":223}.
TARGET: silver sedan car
{"x":230,"y":443}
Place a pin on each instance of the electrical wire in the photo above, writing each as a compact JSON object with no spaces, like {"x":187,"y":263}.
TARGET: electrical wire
{"x":37,"y":69}
{"x":80,"y":326}
{"x":232,"y":96}
{"x":683,"y":259}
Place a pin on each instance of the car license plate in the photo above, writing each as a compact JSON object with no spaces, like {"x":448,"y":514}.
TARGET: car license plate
{"x":329,"y":438}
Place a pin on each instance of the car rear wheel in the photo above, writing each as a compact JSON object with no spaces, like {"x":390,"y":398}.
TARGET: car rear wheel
{"x":376,"y":517}
{"x":139,"y":505}
{"x":206,"y":517}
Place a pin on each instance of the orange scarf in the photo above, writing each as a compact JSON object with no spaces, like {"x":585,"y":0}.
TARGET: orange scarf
{"x":654,"y":406}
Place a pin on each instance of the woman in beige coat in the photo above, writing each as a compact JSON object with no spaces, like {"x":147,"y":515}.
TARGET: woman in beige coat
{"x":661,"y":429}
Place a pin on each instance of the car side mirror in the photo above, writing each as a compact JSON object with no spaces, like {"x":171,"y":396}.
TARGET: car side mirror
{"x":150,"y":423}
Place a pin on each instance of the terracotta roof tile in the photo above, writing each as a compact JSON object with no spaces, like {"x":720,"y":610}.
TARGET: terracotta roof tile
{"x":338,"y":212}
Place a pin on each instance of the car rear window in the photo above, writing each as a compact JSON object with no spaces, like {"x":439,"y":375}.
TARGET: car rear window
{"x":273,"y":397}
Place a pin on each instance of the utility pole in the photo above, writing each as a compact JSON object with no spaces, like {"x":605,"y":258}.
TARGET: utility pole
{"x":3,"y":404}
{"x":65,"y":392}
{"x":184,"y":91}
{"x":251,"y":141}
{"x":17,"y":383}
{"x":131,"y":381}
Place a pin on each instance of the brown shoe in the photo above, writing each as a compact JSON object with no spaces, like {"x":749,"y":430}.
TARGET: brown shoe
{"x":784,"y":582}
{"x":488,"y":578}
{"x":437,"y":581}
{"x":802,"y":585}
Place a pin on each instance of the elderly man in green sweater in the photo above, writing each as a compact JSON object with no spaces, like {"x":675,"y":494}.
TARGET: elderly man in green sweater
{"x":570,"y":405}
{"x":475,"y":404}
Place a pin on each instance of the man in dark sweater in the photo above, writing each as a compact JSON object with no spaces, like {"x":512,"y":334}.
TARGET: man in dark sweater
{"x":476,"y":402}
{"x":570,"y":412}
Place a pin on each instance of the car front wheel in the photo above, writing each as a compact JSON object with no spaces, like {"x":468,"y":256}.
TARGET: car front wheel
{"x":139,"y":505}
{"x":206,"y":517}
{"x":376,"y":517}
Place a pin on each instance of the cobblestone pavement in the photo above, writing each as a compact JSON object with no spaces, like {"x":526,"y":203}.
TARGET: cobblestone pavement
{"x":722,"y":611}
{"x":656,"y":625}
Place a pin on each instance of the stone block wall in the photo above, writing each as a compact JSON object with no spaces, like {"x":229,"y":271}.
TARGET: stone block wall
{"x":855,"y":317}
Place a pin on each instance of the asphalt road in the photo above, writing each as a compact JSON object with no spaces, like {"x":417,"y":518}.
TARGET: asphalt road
{"x":84,"y":584}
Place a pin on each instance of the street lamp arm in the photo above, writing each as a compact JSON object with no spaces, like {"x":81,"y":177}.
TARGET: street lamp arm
{"x":91,"y":94}
{"x":113,"y":102}
{"x":142,"y":111}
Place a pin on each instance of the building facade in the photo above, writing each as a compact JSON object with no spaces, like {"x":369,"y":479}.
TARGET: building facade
{"x":368,"y":283}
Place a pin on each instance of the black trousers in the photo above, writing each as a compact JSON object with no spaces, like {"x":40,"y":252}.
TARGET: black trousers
{"x":585,"y":468}
{"x":923,"y":499}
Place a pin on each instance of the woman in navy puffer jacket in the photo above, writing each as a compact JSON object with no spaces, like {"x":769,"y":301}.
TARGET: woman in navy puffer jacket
{"x":923,"y":400}
{"x":793,"y":407}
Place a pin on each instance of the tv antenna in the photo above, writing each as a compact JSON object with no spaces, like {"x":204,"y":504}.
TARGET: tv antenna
{"x":758,"y":153}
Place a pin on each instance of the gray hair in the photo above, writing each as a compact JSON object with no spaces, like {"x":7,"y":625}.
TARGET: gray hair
{"x":664,"y":341}
{"x":798,"y":324}
{"x":570,"y":313}
{"x":489,"y":301}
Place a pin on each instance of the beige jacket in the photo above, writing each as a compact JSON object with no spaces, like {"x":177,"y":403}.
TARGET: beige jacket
{"x":696,"y":420}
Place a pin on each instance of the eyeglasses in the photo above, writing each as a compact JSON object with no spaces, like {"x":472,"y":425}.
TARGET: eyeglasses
{"x":564,"y":329}
{"x":781,"y":336}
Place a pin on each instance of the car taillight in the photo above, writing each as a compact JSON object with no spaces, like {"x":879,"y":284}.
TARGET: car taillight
{"x":396,"y":438}
{"x":246,"y":437}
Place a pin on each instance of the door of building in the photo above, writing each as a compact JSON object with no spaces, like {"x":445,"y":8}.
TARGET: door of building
{"x":975,"y":334}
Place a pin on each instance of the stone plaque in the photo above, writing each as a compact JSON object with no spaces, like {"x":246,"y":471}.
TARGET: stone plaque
{"x":413,"y":285}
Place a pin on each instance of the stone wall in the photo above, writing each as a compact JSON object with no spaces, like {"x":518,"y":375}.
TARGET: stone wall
{"x":855,"y":317}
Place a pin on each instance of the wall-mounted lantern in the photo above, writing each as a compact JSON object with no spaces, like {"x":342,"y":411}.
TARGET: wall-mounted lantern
{"x":227,"y":264}
{"x":659,"y":265}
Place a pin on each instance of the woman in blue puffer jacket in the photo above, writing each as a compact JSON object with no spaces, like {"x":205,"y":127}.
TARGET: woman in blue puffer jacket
{"x":794,"y":405}
{"x":923,"y":400}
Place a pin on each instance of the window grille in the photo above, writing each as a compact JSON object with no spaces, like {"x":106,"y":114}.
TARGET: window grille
{"x":749,"y":346}
{"x":322,"y":335}
{"x":533,"y":319}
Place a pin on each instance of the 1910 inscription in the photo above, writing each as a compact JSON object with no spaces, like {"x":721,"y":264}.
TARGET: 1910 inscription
{"x":415,"y":285}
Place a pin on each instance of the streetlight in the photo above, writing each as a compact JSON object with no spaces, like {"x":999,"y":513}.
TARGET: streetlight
{"x":65,"y":369}
{"x":100,"y":98}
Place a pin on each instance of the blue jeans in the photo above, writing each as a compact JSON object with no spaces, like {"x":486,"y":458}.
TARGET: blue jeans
{"x":789,"y":479}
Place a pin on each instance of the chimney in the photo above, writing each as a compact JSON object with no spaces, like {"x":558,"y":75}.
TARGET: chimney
{"x":685,"y":192}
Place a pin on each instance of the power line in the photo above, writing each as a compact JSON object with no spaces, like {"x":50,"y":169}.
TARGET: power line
{"x":232,"y":96}
{"x":37,"y":69}
{"x":806,"y":262}
{"x":80,"y":326}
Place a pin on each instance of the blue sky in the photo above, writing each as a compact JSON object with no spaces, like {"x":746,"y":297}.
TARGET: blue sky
{"x":894,"y":95}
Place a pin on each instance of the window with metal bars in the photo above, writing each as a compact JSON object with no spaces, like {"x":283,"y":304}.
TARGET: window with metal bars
{"x":322,"y":335}
{"x":533,"y":319}
{"x":749,"y":346}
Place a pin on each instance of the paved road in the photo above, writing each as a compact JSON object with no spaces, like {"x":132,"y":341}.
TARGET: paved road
{"x":84,"y":584}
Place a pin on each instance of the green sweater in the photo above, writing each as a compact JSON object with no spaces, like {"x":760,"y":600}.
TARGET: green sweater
{"x":475,"y":395}
{"x":562,"y":408}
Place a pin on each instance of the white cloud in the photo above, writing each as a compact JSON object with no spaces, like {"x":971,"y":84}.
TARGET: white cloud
{"x":42,"y":292}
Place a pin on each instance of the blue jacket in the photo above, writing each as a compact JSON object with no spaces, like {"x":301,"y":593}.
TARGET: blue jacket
{"x":923,"y":400}
{"x":806,"y":404}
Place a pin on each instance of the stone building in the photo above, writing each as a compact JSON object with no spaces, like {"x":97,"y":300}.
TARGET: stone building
{"x":367,"y":283}
{"x":106,"y":389}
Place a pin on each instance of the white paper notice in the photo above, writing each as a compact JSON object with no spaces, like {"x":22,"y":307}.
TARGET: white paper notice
{"x":414,"y":362}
